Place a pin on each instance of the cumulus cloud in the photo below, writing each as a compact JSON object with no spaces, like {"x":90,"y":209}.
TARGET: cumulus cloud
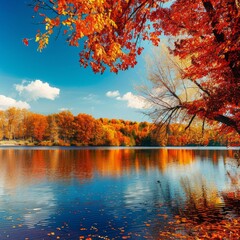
{"x":112,"y":94}
{"x":133,"y":101}
{"x":7,"y":102}
{"x":37,"y":89}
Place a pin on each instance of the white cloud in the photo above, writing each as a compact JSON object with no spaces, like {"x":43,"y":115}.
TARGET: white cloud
{"x":7,"y":102}
{"x":134,"y":101}
{"x":37,"y":89}
{"x":90,"y":97}
{"x":64,"y":109}
{"x":113,"y":94}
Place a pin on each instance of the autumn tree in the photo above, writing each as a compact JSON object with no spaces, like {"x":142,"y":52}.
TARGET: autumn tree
{"x":98,"y":137}
{"x":13,"y":118}
{"x":22,"y":126}
{"x":88,"y":131}
{"x":27,"y":126}
{"x":109,"y":33}
{"x":53,"y":128}
{"x":110,"y":136}
{"x":40,"y":125}
{"x":2,"y":120}
{"x":171,"y":96}
{"x":66,"y":127}
{"x":208,"y":35}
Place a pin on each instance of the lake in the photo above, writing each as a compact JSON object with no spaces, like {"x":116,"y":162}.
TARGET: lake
{"x":111,"y":193}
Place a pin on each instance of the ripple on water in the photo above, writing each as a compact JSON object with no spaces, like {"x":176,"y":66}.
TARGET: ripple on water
{"x":113,"y":194}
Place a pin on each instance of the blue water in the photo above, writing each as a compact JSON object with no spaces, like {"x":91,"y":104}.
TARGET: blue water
{"x":109,"y":193}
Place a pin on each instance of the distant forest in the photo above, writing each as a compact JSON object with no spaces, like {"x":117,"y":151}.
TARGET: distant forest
{"x":65,"y":129}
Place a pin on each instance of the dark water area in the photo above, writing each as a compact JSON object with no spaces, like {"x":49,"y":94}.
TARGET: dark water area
{"x":111,"y":193}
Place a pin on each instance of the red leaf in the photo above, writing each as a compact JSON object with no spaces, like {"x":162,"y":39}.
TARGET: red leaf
{"x":36,"y":8}
{"x":139,"y":51}
{"x":25,"y":41}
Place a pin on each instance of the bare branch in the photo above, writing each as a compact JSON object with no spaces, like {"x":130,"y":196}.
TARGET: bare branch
{"x":189,"y":124}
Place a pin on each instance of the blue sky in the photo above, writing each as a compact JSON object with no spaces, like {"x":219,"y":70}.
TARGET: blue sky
{"x":52,"y":80}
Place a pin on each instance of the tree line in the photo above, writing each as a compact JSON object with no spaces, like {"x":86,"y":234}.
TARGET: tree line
{"x":65,"y":129}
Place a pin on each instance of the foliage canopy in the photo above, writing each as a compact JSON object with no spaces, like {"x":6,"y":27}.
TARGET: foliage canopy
{"x":110,"y":32}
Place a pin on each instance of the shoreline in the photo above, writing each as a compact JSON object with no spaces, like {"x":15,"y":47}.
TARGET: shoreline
{"x":27,"y":144}
{"x":42,"y":147}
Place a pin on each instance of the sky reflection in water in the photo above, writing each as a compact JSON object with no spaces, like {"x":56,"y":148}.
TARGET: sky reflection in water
{"x":107,"y":193}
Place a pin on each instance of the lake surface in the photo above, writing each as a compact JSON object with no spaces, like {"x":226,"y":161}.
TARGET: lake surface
{"x":110,"y":193}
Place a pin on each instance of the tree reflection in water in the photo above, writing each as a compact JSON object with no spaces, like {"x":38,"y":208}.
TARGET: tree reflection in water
{"x":231,"y":195}
{"x":206,"y":212}
{"x":162,"y":193}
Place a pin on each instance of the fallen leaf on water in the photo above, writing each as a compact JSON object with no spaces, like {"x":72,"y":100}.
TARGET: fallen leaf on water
{"x":184,"y":220}
{"x":51,"y":234}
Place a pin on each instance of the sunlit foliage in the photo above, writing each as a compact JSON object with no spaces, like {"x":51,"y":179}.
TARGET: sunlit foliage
{"x":66,"y":129}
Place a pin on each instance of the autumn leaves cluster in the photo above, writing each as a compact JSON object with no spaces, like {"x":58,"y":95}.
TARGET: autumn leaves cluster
{"x":83,"y":130}
{"x":66,"y":129}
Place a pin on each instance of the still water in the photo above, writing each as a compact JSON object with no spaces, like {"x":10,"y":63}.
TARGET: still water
{"x":110,"y":193}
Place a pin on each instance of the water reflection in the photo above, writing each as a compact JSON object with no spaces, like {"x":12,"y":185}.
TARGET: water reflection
{"x":109,"y":192}
{"x":23,"y":166}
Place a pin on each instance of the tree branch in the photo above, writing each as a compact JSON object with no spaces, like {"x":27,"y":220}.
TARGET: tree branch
{"x":190,"y":122}
{"x":220,"y":38}
{"x":227,"y":121}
